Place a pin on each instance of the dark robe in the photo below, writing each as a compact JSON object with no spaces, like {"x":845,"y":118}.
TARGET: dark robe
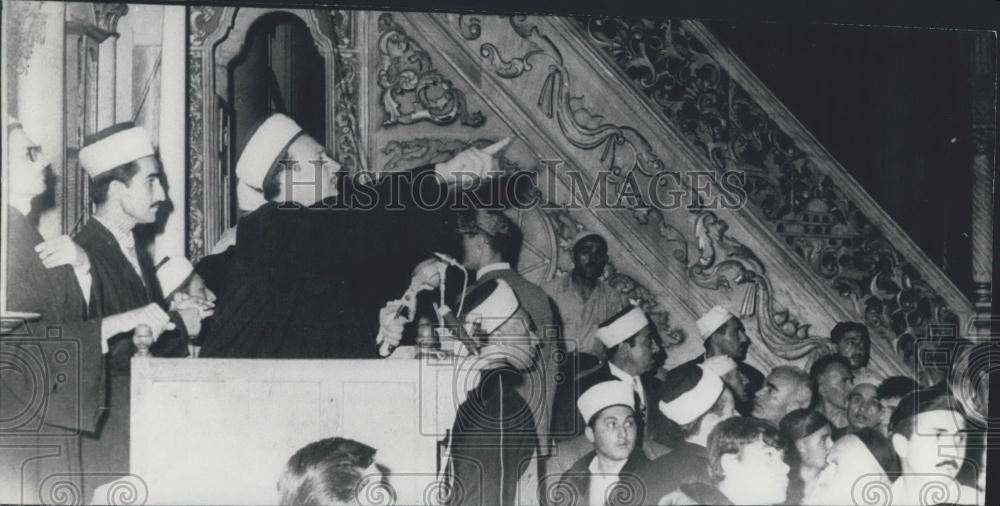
{"x":696,"y":493}
{"x":539,"y":306}
{"x":686,"y":463}
{"x":574,"y":485}
{"x":755,"y":382}
{"x":492,"y":441}
{"x":45,"y":399}
{"x":117,"y":288}
{"x":309,"y":283}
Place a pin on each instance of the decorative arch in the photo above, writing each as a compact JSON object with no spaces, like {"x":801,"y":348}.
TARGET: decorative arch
{"x":216,"y":36}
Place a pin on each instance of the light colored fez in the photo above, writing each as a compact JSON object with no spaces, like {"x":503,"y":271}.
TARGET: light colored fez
{"x":721,"y":365}
{"x":173,"y":273}
{"x":272,"y":137}
{"x":583,"y":235}
{"x":249,"y":199}
{"x":493,"y":311}
{"x":625,"y":326}
{"x":116,"y":150}
{"x":712,"y":320}
{"x":691,"y":396}
{"x":604,"y":395}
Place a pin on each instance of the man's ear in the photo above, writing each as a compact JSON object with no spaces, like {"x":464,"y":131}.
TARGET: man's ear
{"x":728,"y":462}
{"x":589,"y":432}
{"x":115,"y":188}
{"x":901,"y":445}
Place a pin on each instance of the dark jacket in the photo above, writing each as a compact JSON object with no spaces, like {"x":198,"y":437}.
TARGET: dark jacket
{"x":687,"y":463}
{"x":575,"y":483}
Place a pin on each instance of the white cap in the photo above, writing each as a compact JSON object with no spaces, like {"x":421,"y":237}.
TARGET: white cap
{"x":583,"y":235}
{"x":712,"y":320}
{"x":720,"y":364}
{"x":625,"y":326}
{"x":603,"y":395}
{"x":685,"y":401}
{"x":173,"y":273}
{"x":249,"y":199}
{"x":493,"y":312}
{"x":267,"y":142}
{"x":115,"y":150}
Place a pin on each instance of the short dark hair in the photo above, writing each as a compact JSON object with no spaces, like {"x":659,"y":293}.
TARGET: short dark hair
{"x":325,"y":471}
{"x":897,"y":387}
{"x":881,"y":449}
{"x":825,"y":362}
{"x":732,"y":435}
{"x":271,"y":185}
{"x":842,"y":328}
{"x":801,"y":423}
{"x":594,"y":236}
{"x":507,"y":241}
{"x":936,"y":398}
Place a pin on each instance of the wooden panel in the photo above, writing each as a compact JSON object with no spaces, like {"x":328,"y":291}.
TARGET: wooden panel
{"x":219,"y":431}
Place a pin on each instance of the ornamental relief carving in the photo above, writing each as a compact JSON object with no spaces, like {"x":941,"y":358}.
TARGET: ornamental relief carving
{"x":674,"y":70}
{"x":412,"y":89}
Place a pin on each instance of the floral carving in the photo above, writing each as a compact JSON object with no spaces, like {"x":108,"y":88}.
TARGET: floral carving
{"x":108,"y":14}
{"x":412,"y":90}
{"x":196,"y":183}
{"x":725,"y":262}
{"x":204,"y":20}
{"x":424,"y":150}
{"x":347,"y":134}
{"x":344,"y":27}
{"x":675,"y":71}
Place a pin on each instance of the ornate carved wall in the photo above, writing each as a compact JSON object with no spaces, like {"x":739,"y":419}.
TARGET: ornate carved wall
{"x":658,"y":112}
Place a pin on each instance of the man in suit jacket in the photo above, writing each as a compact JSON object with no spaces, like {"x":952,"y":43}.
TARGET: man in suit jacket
{"x":633,"y":352}
{"x":490,"y":243}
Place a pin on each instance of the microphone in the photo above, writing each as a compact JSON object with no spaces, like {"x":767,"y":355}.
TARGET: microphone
{"x":448,"y":260}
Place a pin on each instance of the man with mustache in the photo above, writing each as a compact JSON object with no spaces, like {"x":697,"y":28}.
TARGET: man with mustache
{"x":852,"y":341}
{"x":928,"y":435}
{"x":723,"y":334}
{"x":125,"y":186}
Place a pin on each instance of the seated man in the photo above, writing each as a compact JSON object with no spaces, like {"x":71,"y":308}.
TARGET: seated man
{"x":858,"y":464}
{"x":330,"y":471}
{"x":696,"y":403}
{"x":611,"y":428}
{"x":786,"y":389}
{"x":746,"y":466}
{"x":863,"y":410}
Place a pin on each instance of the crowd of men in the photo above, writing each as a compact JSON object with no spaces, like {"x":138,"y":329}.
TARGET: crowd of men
{"x":573,"y":382}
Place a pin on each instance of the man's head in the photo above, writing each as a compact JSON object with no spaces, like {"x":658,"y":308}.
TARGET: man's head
{"x":786,"y":389}
{"x":611,"y":426}
{"x":863,"y":407}
{"x":811,"y":434}
{"x":928,"y":433}
{"x":488,"y":237}
{"x":285,"y":164}
{"x":590,"y":256}
{"x":855,"y":463}
{"x":27,"y":163}
{"x":329,"y":471}
{"x":631,"y":341}
{"x":833,"y":379}
{"x":890,"y":392}
{"x":746,"y":458}
{"x":695,"y":398}
{"x":852,"y":342}
{"x":125,"y":174}
{"x":723,"y":334}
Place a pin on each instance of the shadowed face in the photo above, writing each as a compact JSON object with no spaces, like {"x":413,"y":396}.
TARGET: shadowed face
{"x":731,"y":339}
{"x":27,"y":165}
{"x":590,"y":256}
{"x":835,"y":384}
{"x":312,"y":177}
{"x":614,"y":432}
{"x":815,"y":447}
{"x":855,"y":347}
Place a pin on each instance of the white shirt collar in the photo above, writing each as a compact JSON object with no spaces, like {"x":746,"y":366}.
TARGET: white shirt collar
{"x":490,"y":268}
{"x":619,"y":373}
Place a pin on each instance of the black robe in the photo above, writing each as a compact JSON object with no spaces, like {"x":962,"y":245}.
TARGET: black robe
{"x":309,"y":282}
{"x":492,"y":441}
{"x":52,"y":379}
{"x":117,"y":288}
